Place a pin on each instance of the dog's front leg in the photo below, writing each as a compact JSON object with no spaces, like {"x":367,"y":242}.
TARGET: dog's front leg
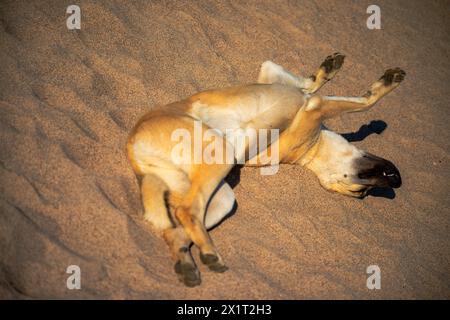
{"x":330,"y":106}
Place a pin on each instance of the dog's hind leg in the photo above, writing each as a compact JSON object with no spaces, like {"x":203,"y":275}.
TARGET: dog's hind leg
{"x":220,"y":205}
{"x":205,"y":179}
{"x":156,"y":197}
{"x":191,"y":213}
{"x":271,"y":72}
{"x":331,"y":106}
{"x":154,"y":192}
{"x":179,"y":244}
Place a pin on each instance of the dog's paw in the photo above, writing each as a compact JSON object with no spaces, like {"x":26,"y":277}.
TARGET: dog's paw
{"x":188,"y":273}
{"x":392,"y":76}
{"x":213,"y":262}
{"x":333,"y":62}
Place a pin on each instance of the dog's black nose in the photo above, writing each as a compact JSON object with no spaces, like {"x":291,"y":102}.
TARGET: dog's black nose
{"x":380,"y":172}
{"x":392,"y":175}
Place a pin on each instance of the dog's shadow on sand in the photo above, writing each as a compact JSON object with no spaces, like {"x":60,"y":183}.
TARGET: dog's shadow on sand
{"x":375,"y":126}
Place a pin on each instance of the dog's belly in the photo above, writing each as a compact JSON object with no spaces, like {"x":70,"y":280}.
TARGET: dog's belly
{"x":239,"y":115}
{"x":254,"y":106}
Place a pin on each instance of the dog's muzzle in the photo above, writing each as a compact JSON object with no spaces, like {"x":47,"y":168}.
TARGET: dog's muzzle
{"x":378,"y":172}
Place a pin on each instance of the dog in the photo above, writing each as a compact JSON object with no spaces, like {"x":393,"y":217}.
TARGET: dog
{"x":182,"y":200}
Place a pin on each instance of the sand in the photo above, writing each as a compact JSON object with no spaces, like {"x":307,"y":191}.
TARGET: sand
{"x":69,"y":197}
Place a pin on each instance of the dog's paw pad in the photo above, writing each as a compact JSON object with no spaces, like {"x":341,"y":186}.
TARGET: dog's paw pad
{"x":391,"y":76}
{"x":333,"y":62}
{"x":187,"y":273}
{"x":218,"y":267}
{"x":191,"y":282}
{"x":213,"y":262}
{"x":209,"y":258}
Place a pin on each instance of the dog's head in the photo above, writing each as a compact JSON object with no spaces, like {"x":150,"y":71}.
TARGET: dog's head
{"x":343,"y":168}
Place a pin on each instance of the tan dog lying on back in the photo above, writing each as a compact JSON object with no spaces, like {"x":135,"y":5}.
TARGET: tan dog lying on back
{"x":184,"y":200}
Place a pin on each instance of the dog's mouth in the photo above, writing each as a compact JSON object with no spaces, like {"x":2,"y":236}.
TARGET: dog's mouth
{"x":360,"y":193}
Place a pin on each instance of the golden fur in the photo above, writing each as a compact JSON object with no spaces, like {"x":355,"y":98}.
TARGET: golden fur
{"x":183,"y":200}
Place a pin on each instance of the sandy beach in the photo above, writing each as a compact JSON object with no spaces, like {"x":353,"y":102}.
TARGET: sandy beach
{"x":68,"y":196}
